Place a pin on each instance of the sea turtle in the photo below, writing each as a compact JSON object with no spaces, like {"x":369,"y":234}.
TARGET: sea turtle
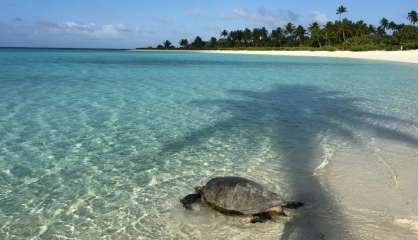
{"x":239,"y":196}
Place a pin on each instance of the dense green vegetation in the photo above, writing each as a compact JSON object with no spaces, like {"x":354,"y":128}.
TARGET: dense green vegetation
{"x":342,"y":34}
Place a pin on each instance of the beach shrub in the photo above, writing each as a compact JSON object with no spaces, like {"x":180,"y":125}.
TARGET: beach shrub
{"x":410,"y":45}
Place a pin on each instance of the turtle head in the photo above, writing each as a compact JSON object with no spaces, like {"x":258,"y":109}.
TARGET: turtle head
{"x":199,"y":189}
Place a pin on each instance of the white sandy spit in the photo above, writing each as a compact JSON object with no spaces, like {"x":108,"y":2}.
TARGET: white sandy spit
{"x":410,"y":56}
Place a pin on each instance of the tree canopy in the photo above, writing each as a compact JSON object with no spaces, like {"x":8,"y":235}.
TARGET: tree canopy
{"x":341,"y":10}
{"x":333,"y":35}
{"x":413,"y":17}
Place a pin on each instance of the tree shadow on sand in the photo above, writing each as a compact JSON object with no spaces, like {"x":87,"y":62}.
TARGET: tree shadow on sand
{"x":294,"y":117}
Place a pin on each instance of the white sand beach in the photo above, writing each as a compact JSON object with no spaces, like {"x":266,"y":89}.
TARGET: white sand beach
{"x":410,"y":56}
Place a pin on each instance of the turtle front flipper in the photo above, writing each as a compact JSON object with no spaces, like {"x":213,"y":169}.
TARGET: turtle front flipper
{"x":188,"y":200}
{"x":261,"y":217}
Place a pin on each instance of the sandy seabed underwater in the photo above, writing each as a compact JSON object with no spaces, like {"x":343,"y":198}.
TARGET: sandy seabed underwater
{"x":103,"y":144}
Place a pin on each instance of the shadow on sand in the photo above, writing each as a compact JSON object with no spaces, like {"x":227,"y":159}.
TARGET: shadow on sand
{"x":294,"y":118}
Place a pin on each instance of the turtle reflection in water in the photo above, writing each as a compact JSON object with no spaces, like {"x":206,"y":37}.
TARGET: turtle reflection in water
{"x":240,"y":196}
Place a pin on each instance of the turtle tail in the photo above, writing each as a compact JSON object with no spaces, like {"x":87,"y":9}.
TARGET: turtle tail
{"x":293,"y":205}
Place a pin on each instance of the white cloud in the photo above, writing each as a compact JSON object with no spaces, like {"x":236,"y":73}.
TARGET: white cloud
{"x":73,"y":26}
{"x":91,"y":29}
{"x":74,"y":34}
{"x":242,"y":13}
{"x":264,"y":17}
{"x":316,"y":16}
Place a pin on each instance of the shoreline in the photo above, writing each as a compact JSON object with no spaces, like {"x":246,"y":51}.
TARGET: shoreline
{"x":407,"y":56}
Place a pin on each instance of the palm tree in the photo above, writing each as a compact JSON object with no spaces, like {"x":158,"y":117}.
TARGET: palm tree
{"x":384,"y":23}
{"x":340,"y":10}
{"x":372,"y":29}
{"x":224,"y":33}
{"x":360,"y":28}
{"x":167,"y":44}
{"x":344,"y":28}
{"x":313,"y":25}
{"x":264,"y":34}
{"x":300,"y":34}
{"x":329,"y":32}
{"x":380,"y":31}
{"x":236,"y":37}
{"x":413,"y":17}
{"x":232,"y":37}
{"x":392,"y":26}
{"x":257,"y":36}
{"x":246,"y":36}
{"x":184,"y":43}
{"x":240,"y":36}
{"x":198,"y":43}
{"x":289,"y":30}
{"x":277,"y":37}
{"x":315,"y":30}
{"x":213,"y":42}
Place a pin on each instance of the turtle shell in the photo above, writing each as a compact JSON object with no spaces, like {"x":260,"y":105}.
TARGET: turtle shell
{"x":236,"y":195}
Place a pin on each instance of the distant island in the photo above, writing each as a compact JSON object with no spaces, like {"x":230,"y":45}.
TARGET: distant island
{"x":342,"y":34}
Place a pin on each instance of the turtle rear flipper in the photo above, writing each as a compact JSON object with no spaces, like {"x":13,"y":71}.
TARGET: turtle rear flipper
{"x":188,"y":200}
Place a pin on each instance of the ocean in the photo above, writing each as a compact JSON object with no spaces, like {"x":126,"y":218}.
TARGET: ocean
{"x":100,"y":144}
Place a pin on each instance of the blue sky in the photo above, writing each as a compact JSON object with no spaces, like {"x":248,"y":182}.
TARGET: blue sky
{"x":142,"y":23}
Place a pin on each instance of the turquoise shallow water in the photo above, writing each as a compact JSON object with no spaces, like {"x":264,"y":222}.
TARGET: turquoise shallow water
{"x":102,"y":144}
